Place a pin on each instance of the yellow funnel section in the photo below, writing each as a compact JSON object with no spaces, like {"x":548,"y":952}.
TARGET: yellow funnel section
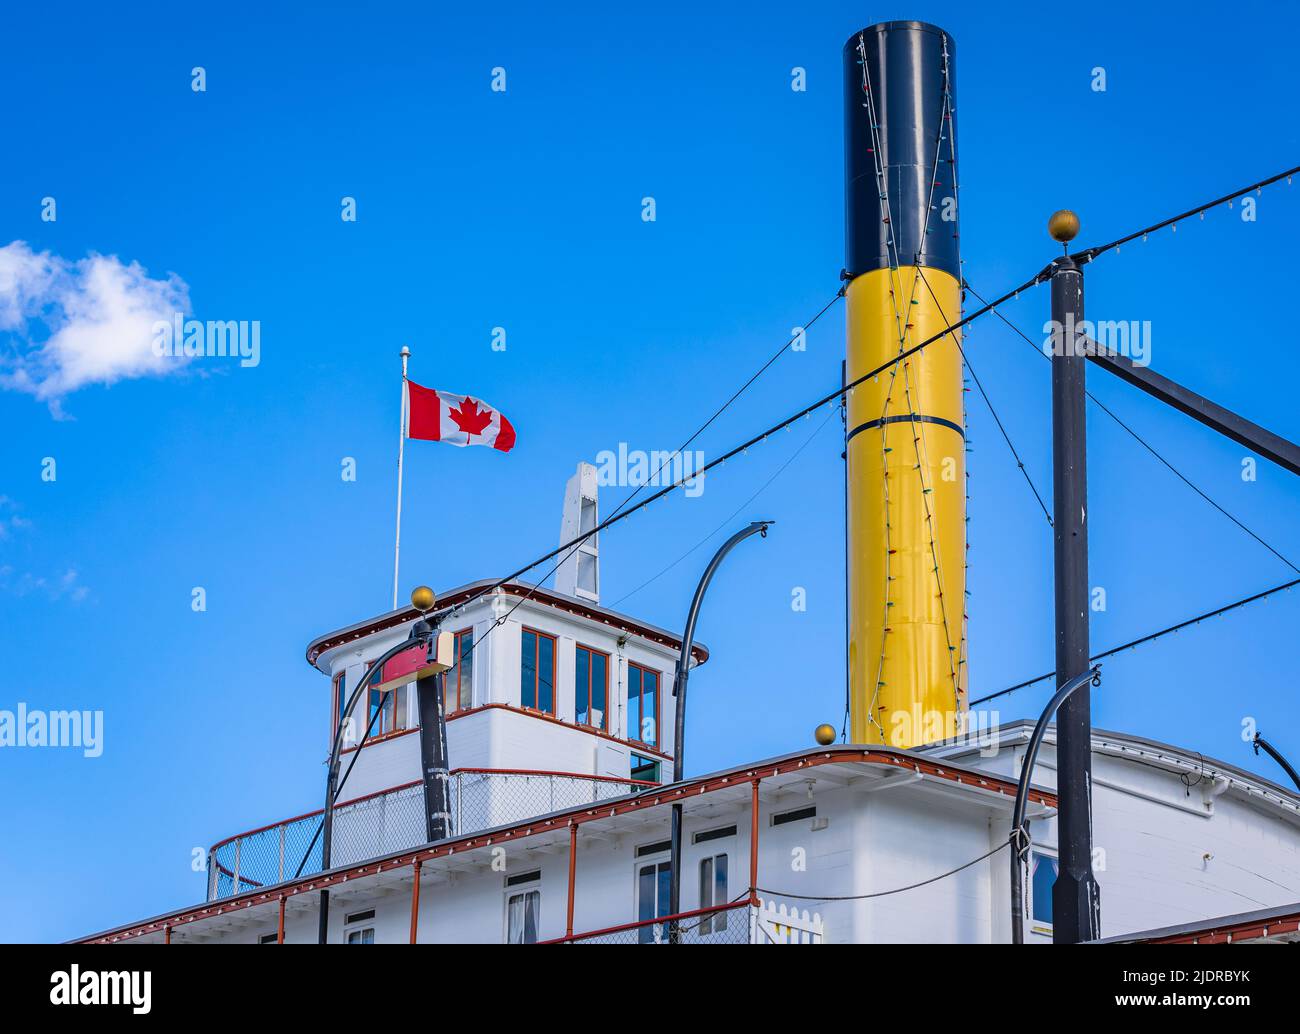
{"x":907,"y":510}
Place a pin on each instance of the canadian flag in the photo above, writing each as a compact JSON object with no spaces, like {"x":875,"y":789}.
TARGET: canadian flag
{"x":442,"y":416}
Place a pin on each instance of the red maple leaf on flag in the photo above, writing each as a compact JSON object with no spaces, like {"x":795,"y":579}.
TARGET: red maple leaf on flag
{"x":469,"y":418}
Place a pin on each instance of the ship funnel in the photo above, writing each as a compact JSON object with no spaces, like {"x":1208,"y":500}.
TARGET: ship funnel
{"x":906,"y":448}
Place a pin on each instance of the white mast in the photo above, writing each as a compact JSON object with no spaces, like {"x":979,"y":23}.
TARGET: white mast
{"x":401,"y":447}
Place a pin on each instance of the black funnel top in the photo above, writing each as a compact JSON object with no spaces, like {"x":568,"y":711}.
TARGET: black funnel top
{"x":900,"y":142}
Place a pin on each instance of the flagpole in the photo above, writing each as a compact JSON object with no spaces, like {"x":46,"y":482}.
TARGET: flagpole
{"x":401,"y":448}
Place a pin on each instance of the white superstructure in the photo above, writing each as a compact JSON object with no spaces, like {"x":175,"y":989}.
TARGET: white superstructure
{"x":559,"y":735}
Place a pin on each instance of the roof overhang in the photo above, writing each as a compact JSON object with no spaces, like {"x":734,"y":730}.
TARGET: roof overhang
{"x":463,"y":594}
{"x":1172,"y":759}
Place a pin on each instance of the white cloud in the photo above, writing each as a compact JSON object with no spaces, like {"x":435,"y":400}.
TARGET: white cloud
{"x":10,"y":519}
{"x":66,"y":586}
{"x":73,"y":323}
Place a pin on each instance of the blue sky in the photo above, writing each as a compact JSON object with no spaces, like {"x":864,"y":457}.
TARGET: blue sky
{"x":522,"y":210}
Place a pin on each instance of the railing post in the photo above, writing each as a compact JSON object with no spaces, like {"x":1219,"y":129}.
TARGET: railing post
{"x":415,"y":899}
{"x":573,"y":875}
{"x":239,"y":843}
{"x":753,"y":845}
{"x":281,"y":879}
{"x":214,"y":875}
{"x":279,"y":929}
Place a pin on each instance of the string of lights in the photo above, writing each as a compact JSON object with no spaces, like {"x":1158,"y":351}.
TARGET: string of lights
{"x":1085,"y":256}
{"x":756,"y":439}
{"x":763,"y":488}
{"x":1150,"y":448}
{"x":567,"y":549}
{"x":997,"y":419}
{"x":1183,"y":624}
{"x":732,"y":453}
{"x":650,"y":480}
{"x":882,"y":187}
{"x":902,"y":326}
{"x":618,"y":513}
{"x":1151,"y":637}
{"x":1089,"y":254}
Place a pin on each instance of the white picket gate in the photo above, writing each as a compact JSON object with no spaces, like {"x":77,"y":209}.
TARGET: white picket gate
{"x":773,"y":923}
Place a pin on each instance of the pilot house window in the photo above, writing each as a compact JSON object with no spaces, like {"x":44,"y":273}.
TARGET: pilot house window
{"x":459,"y":681}
{"x":642,"y":705}
{"x":537,"y":671}
{"x":591,"y":687}
{"x":391,"y":708}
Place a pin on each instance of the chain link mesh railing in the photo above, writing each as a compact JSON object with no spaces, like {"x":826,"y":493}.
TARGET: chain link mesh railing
{"x":381,"y":824}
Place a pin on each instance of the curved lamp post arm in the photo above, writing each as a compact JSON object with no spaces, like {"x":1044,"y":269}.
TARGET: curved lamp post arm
{"x":679,"y":723}
{"x":332,"y":771}
{"x":1019,"y":835}
{"x":1260,"y":743}
{"x":688,"y":640}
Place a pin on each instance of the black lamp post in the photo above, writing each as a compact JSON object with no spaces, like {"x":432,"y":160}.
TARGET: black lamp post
{"x":1076,"y":904}
{"x":433,"y":741}
{"x":679,"y":691}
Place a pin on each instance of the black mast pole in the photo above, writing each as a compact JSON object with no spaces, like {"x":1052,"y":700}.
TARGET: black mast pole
{"x":1076,"y":906}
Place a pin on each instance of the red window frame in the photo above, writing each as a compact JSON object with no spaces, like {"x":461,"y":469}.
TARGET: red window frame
{"x":634,"y":732}
{"x":604,"y":718}
{"x":537,"y":673}
{"x":455,"y":673}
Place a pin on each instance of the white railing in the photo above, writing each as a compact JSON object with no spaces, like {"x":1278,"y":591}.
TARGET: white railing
{"x":773,"y":923}
{"x":738,"y":922}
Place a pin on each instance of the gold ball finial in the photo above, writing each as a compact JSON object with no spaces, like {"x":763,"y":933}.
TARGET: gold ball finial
{"x":422,"y":598}
{"x":824,"y":734}
{"x":1063,"y":226}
